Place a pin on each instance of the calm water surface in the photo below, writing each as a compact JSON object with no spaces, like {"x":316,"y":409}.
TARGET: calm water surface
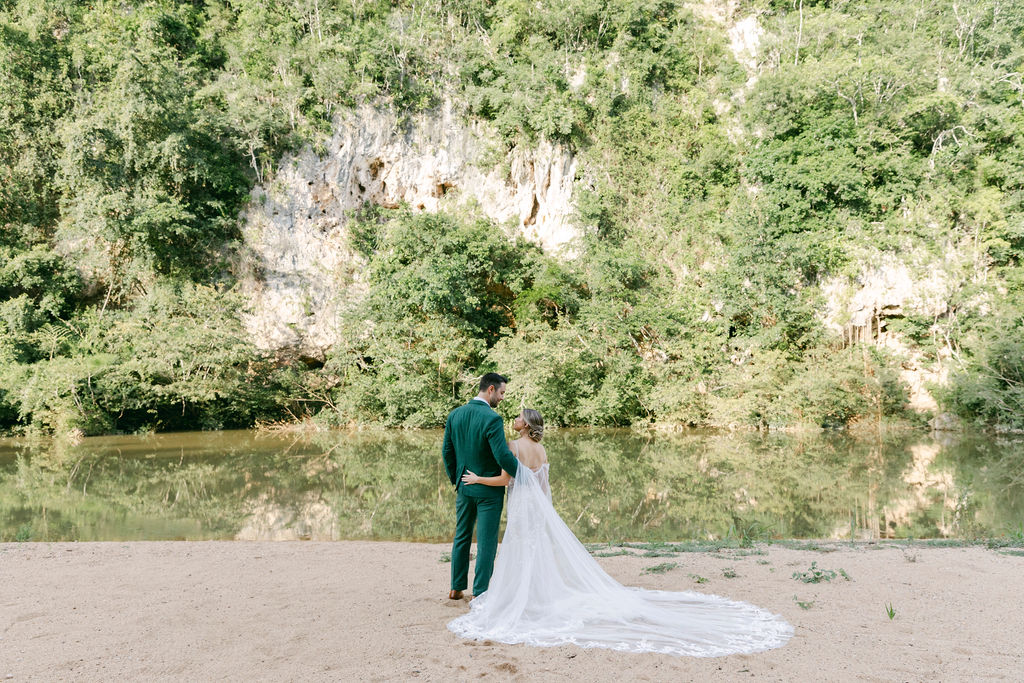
{"x":609,"y":485}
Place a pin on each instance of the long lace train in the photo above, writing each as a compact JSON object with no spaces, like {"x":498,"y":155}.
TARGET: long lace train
{"x":547,"y":590}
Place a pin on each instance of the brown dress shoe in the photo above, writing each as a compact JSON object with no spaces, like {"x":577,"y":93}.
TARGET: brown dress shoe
{"x":455,"y":595}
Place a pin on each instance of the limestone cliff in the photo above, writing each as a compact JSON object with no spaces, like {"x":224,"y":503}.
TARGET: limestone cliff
{"x":298,"y":268}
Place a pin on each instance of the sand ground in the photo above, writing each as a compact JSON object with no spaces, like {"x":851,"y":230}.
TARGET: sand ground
{"x":367,"y":611}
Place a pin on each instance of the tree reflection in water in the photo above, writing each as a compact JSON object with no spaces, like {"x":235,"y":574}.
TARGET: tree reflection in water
{"x":609,"y":485}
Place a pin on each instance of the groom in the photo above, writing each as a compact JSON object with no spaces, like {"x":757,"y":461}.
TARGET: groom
{"x":474,"y":440}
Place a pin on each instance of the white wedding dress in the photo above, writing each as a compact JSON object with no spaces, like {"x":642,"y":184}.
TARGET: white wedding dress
{"x":547,"y":590}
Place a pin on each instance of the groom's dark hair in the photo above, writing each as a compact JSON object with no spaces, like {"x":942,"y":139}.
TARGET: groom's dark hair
{"x":491,"y":379}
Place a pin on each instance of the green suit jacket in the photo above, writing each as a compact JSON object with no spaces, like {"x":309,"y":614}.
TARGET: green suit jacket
{"x":474,"y":440}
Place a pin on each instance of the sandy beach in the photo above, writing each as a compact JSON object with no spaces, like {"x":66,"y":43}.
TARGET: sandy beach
{"x":377,"y":611}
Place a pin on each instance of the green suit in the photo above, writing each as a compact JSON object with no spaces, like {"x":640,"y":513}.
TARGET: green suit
{"x":474,"y":440}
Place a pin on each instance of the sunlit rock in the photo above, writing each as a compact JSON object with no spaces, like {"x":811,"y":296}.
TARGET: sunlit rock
{"x":298,"y":265}
{"x":860,"y":310}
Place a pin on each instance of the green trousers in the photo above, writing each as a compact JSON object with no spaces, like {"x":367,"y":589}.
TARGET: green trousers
{"x":485,"y":513}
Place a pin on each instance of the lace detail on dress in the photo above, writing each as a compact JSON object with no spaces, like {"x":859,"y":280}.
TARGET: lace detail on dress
{"x":547,"y":590}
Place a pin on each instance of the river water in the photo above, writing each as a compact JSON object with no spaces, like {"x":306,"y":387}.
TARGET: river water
{"x":609,"y":486}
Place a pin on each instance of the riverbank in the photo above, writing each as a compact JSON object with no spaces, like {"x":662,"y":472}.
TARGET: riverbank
{"x":377,"y":611}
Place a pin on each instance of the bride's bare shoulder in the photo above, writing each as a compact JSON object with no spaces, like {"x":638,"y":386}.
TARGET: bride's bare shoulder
{"x":539,"y":456}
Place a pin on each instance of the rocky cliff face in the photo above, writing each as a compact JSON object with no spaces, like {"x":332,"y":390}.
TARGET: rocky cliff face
{"x":862,"y":309}
{"x":887,"y":287}
{"x":298,"y":268}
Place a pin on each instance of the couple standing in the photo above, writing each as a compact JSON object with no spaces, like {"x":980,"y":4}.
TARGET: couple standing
{"x":545,"y":588}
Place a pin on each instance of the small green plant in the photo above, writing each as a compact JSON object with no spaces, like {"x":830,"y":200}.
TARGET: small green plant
{"x":804,"y":604}
{"x":763,"y":562}
{"x":890,"y":611}
{"x":1015,"y":533}
{"x":447,"y":557}
{"x":729,"y":573}
{"x":806,"y":545}
{"x":745,"y":536}
{"x":661,"y":568}
{"x":697,"y":578}
{"x":816,"y":575}
{"x":24,"y":533}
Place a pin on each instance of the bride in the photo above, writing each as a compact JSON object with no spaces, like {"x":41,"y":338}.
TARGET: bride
{"x":548,"y":590}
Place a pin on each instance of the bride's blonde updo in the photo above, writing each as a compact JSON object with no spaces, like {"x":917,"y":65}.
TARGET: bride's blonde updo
{"x":535,"y":423}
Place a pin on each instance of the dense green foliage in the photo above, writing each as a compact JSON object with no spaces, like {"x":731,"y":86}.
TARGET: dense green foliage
{"x":715,"y":205}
